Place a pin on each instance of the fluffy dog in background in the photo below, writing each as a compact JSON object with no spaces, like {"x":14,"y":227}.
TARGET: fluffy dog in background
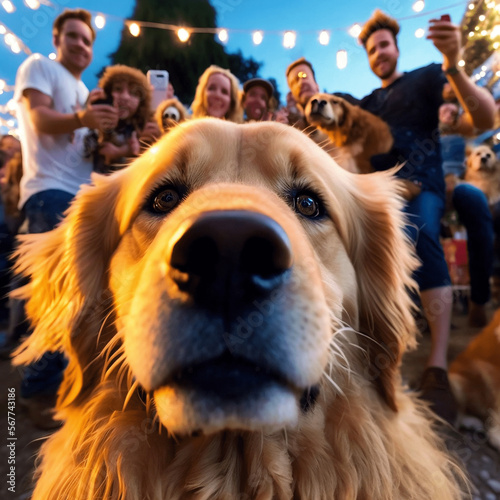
{"x":170,"y":113}
{"x":358,"y":134}
{"x":234,"y":307}
{"x":475,"y":379}
{"x":483,"y":171}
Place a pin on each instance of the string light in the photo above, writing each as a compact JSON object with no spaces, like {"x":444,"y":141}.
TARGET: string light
{"x":257,"y":37}
{"x":52,"y":56}
{"x":324,"y":37}
{"x":354,"y":30}
{"x":8,"y":6}
{"x":289,"y":39}
{"x":461,"y":63}
{"x":183,"y":34}
{"x":223,"y":35}
{"x":32,"y":4}
{"x":99,"y":21}
{"x":135,"y":29}
{"x":418,"y":6}
{"x":341,"y":59}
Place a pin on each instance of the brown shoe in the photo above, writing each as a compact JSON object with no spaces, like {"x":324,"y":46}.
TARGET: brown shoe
{"x":41,"y":411}
{"x":477,"y":315}
{"x":435,"y":389}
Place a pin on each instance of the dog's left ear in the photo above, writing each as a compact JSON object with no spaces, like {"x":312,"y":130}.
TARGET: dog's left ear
{"x":384,"y":260}
{"x":67,"y":270}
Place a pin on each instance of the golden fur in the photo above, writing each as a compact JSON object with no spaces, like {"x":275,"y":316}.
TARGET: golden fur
{"x":119,"y":287}
{"x":475,"y":379}
{"x":358,"y":134}
{"x":483,"y":171}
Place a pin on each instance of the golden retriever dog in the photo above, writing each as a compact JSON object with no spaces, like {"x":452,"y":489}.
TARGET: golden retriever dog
{"x":358,"y":134}
{"x":483,"y":171}
{"x":234,"y":307}
{"x":475,"y":380}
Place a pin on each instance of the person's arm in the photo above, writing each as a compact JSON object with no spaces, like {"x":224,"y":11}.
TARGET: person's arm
{"x":452,"y":122}
{"x":478,"y":104}
{"x":49,"y":121}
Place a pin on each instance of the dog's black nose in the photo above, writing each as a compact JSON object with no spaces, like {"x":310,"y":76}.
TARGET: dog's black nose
{"x":232,"y":254}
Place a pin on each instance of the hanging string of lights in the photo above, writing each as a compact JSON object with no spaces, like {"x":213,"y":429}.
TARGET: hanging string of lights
{"x":489,"y":30}
{"x":289,"y":37}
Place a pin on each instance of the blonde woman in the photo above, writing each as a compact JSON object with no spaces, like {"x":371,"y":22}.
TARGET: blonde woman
{"x":217,"y":95}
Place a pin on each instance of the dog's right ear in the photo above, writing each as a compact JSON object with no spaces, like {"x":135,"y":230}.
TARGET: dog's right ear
{"x":67,"y":272}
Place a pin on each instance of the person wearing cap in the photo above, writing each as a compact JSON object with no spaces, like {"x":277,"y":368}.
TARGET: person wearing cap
{"x":257,"y":102}
{"x":409,"y":103}
{"x":257,"y":94}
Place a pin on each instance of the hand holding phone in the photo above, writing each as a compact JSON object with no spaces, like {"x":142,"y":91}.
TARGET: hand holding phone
{"x":445,"y":17}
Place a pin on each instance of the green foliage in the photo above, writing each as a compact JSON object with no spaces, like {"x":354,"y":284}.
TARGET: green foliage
{"x":185,"y":62}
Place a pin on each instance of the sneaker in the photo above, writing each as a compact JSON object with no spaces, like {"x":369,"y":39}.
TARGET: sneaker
{"x":41,"y":411}
{"x":435,"y":389}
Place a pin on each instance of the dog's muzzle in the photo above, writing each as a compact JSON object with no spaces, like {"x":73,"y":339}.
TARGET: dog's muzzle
{"x":317,"y":106}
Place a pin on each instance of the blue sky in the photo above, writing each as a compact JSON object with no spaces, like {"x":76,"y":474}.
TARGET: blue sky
{"x":306,"y":17}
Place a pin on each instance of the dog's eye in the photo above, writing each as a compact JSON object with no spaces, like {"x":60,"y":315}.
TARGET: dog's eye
{"x":166,"y":200}
{"x":307,"y":205}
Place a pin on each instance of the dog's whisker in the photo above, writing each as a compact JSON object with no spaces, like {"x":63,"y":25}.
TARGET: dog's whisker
{"x":337,"y":388}
{"x":130,"y":393}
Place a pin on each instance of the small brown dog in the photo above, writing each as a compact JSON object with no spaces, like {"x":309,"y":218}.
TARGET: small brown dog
{"x":475,"y":379}
{"x":483,"y":171}
{"x":357,"y":133}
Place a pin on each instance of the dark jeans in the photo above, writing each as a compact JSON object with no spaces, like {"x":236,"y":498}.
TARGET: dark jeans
{"x":44,"y":211}
{"x":424,"y":216}
{"x":473,"y":211}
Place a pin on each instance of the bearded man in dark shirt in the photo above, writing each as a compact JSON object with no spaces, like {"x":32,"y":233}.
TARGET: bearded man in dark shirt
{"x":409,"y":103}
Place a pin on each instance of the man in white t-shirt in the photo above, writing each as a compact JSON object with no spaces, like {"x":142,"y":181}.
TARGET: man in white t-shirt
{"x":51,"y":101}
{"x":52,"y":116}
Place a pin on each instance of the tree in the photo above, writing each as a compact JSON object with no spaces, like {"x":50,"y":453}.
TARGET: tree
{"x":185,"y":62}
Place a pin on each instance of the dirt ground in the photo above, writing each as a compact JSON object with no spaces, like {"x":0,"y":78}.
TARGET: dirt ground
{"x":480,"y":460}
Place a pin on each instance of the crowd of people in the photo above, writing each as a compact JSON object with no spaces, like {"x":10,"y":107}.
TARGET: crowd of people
{"x":67,"y":132}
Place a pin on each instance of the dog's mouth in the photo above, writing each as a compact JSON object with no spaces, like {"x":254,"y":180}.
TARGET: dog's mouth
{"x":227,"y":377}
{"x":230,"y":392}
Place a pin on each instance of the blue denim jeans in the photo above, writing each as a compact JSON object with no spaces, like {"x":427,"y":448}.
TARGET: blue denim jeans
{"x":44,"y":211}
{"x":424,"y":215}
{"x":474,"y":213}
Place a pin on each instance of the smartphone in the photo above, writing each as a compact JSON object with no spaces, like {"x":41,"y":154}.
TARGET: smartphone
{"x":158,"y":79}
{"x":106,"y":100}
{"x":445,"y":17}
